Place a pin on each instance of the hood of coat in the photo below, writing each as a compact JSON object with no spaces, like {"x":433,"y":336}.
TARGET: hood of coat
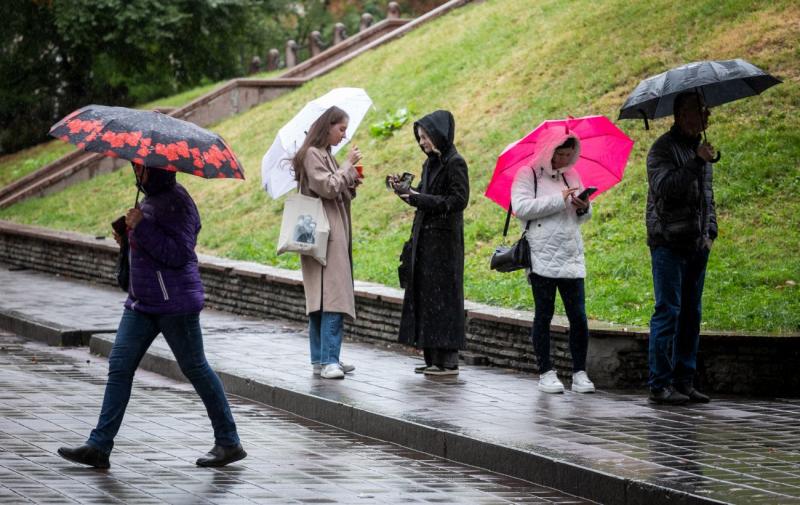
{"x":157,"y":182}
{"x":546,"y":145}
{"x":441,"y":128}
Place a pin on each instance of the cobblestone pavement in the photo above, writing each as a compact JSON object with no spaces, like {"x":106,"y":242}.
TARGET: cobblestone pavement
{"x":50,"y":398}
{"x":736,"y":450}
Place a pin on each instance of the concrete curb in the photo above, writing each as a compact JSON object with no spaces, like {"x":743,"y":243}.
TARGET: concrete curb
{"x":50,"y":333}
{"x":537,"y":468}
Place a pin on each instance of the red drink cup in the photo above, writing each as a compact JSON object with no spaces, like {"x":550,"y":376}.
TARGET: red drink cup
{"x":360,"y":170}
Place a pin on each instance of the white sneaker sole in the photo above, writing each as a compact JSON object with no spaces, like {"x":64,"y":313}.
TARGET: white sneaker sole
{"x":346,"y":369}
{"x":582,"y":389}
{"x":332,"y":376}
{"x":551,"y":389}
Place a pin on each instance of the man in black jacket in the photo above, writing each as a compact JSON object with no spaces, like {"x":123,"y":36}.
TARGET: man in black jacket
{"x":681,"y":228}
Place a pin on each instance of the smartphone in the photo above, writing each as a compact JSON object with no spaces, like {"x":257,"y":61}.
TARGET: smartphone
{"x":586,"y":193}
{"x":404,"y":181}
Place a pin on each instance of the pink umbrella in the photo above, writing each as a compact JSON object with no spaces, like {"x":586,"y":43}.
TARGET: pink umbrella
{"x":604,"y":154}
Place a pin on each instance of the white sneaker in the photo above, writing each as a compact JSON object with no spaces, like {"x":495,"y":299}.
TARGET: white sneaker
{"x":332,"y":371}
{"x":581,"y":383}
{"x":549,"y":383}
{"x":346,"y":367}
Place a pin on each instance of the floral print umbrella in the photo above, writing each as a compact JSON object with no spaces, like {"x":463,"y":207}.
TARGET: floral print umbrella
{"x":151,"y":139}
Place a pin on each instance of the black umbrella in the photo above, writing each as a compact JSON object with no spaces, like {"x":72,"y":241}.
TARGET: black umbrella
{"x":717,"y":82}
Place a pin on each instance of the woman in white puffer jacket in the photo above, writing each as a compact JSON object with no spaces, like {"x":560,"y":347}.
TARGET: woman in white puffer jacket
{"x":544,"y":194}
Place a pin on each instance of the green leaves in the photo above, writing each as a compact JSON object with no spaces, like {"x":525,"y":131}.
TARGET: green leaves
{"x":393,"y":121}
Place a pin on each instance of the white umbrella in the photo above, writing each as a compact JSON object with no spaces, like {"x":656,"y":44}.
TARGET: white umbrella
{"x":276,"y":169}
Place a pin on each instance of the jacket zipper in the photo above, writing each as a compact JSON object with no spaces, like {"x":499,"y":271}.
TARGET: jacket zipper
{"x":163,"y":287}
{"x":130,"y":272}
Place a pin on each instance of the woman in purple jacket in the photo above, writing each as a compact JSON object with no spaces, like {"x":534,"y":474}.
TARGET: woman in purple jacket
{"x":165,"y":295}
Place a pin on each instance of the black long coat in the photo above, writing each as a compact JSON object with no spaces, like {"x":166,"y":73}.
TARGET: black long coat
{"x":433,"y":306}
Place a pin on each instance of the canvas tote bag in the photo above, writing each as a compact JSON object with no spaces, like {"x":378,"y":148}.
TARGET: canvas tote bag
{"x":304,"y":228}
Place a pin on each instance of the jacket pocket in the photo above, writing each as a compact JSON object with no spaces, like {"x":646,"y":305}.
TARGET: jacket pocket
{"x":162,"y":285}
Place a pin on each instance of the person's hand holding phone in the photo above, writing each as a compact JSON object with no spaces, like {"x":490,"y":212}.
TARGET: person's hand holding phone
{"x":579,"y":203}
{"x":565,"y":193}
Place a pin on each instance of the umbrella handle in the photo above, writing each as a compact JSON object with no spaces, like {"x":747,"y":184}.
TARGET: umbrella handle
{"x":717,"y":157}
{"x":644,"y":116}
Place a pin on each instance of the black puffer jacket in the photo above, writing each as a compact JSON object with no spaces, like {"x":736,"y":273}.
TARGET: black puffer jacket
{"x":680,"y":201}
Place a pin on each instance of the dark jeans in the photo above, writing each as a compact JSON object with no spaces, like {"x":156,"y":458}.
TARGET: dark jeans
{"x":675,"y":326}
{"x":574,"y":298}
{"x":182,"y":332}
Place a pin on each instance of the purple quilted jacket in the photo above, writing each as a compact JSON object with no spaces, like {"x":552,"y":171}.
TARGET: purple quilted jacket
{"x":165,"y":278}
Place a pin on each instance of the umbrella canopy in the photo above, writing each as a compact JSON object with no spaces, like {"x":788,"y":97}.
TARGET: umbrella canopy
{"x":277,"y":175}
{"x":603,"y":155}
{"x":718,"y":81}
{"x":151,"y":139}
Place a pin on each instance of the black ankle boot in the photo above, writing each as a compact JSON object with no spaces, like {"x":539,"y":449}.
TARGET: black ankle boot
{"x":221,"y":456}
{"x":694,"y":395}
{"x":85,"y":455}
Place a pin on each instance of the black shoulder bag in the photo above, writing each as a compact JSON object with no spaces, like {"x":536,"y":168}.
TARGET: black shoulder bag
{"x":518,"y":256}
{"x":122,"y":269}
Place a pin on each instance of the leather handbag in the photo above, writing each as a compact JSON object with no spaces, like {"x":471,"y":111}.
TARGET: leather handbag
{"x":517,"y":256}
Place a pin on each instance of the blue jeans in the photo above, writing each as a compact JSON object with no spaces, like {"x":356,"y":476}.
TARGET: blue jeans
{"x":675,"y":326}
{"x":325,"y":330}
{"x":574,"y":297}
{"x":182,"y":332}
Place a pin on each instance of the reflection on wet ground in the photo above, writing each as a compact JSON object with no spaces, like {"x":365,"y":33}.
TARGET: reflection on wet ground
{"x":739,"y":450}
{"x":50,"y":398}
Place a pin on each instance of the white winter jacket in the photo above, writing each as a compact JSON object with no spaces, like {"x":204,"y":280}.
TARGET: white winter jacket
{"x":554,"y":233}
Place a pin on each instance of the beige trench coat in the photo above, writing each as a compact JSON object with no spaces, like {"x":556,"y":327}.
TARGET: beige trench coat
{"x":330,"y":288}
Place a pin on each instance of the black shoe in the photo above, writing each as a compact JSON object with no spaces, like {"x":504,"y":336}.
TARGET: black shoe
{"x":85,"y":455}
{"x":667,"y":396}
{"x":440,"y":370}
{"x":694,"y":395}
{"x":221,"y":456}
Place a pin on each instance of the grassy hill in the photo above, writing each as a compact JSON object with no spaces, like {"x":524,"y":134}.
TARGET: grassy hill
{"x":502,"y":67}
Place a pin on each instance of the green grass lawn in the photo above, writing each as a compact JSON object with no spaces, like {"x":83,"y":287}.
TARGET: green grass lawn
{"x":21,"y":163}
{"x":502,"y":67}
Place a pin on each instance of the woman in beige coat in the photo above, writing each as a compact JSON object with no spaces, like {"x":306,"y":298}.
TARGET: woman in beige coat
{"x":329,"y":288}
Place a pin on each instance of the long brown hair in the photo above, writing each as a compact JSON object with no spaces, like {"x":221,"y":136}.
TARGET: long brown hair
{"x":317,"y":136}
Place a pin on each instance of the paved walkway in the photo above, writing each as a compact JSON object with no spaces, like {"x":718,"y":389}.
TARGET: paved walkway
{"x":51,"y":397}
{"x":733,"y":450}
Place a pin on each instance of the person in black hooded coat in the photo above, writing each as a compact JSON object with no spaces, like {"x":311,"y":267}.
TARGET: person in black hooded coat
{"x":432,"y":263}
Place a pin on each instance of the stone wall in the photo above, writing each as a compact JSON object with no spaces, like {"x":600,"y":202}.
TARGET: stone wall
{"x":730,"y":363}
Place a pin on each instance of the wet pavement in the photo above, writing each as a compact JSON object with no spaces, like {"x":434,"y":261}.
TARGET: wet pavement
{"x":735,"y":450}
{"x":50,"y":397}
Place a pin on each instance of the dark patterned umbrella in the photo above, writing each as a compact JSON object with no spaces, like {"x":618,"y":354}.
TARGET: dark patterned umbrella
{"x":151,"y":139}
